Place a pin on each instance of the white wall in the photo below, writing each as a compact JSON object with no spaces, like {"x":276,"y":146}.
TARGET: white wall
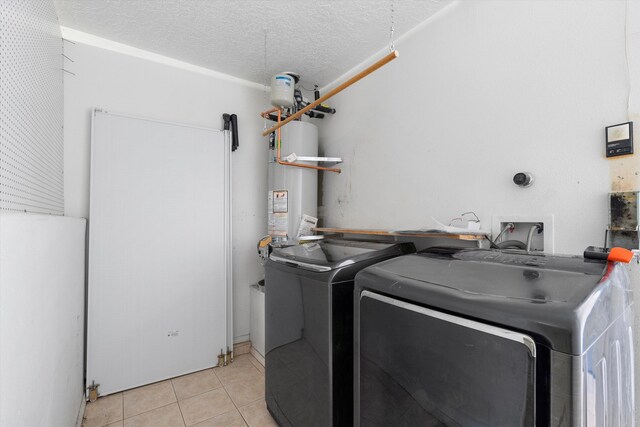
{"x":178,"y":93}
{"x":480,"y":92}
{"x":41,"y":319}
{"x":633,"y":51}
{"x":484,"y":90}
{"x":41,"y":256}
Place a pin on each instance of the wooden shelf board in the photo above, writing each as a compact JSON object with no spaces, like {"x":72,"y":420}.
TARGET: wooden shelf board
{"x":392,"y":233}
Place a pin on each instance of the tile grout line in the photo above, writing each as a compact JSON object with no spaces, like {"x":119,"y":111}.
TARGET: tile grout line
{"x":246,"y":421}
{"x":229,"y":396}
{"x":257,"y":362}
{"x":251,"y":403}
{"x":178,"y":402}
{"x":244,"y":406}
{"x":222,"y":386}
{"x":237,"y":408}
{"x":106,"y":422}
{"x":242,"y":415}
{"x":174,"y":393}
{"x":228,"y":412}
{"x":150,"y":410}
{"x":225,"y":389}
{"x":144,"y":412}
{"x":197,"y":394}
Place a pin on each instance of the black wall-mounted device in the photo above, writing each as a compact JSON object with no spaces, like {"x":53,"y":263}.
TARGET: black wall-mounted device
{"x":619,"y":139}
{"x":231,"y":123}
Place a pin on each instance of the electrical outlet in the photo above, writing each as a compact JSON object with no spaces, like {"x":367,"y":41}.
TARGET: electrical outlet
{"x":543,"y":241}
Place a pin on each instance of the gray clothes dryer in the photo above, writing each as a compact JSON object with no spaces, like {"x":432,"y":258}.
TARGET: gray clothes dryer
{"x":309,"y":328}
{"x":451,"y":337}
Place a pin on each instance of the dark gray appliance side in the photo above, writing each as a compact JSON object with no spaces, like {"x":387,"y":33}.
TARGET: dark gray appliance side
{"x":418,"y":366}
{"x":309,"y":340}
{"x":591,"y":386}
{"x":540,"y":294}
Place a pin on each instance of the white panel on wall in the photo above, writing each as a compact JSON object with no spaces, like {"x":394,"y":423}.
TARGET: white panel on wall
{"x":41,"y":319}
{"x":159,"y":251}
{"x":148,"y":88}
{"x":31,"y":108}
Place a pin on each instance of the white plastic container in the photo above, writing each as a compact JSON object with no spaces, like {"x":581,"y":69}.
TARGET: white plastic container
{"x":257,"y":322}
{"x":282,"y":90}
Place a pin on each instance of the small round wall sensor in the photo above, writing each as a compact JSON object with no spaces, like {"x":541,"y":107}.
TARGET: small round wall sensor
{"x":523,"y":179}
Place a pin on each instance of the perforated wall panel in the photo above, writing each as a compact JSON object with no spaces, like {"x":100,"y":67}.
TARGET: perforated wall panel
{"x":31,"y":108}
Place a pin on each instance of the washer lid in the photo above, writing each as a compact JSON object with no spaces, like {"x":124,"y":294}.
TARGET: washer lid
{"x":564,"y":302}
{"x":331,"y":254}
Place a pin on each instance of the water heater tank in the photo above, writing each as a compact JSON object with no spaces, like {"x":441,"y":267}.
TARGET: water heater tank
{"x":293,"y":191}
{"x":282,"y":90}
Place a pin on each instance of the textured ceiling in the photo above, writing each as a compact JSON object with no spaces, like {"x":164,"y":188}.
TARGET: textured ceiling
{"x":319,"y":39}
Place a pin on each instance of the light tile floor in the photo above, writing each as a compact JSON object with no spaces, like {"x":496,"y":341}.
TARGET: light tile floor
{"x":229,"y":396}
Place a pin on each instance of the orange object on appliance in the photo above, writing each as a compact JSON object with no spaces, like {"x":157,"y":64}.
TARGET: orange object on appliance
{"x":620,"y":255}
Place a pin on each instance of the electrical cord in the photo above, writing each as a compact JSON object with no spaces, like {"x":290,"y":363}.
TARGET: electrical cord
{"x":461,"y":217}
{"x":534,"y":228}
{"x":471,"y":213}
{"x":511,"y":244}
{"x":491,"y":244}
{"x":509,"y":226}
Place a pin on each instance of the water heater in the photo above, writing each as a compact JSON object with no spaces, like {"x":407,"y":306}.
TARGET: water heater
{"x":293,"y":191}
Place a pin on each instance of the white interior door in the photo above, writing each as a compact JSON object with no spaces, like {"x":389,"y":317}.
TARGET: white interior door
{"x":159,"y":251}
